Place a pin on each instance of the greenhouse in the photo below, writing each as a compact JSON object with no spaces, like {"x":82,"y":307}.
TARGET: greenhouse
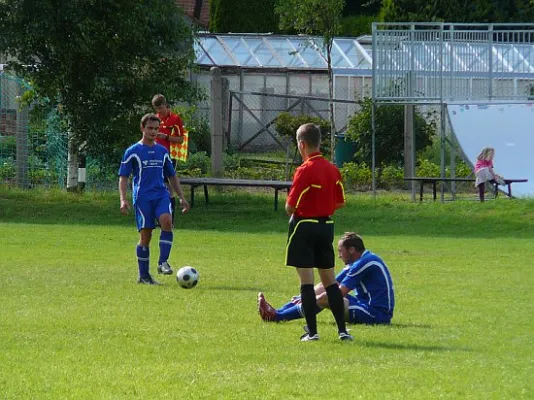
{"x":431,"y":63}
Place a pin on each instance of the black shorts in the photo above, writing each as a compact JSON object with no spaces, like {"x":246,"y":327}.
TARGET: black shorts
{"x":174,"y":162}
{"x":309,"y":243}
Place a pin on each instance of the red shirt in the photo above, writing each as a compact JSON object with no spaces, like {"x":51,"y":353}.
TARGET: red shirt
{"x":317,"y":188}
{"x":171,"y":125}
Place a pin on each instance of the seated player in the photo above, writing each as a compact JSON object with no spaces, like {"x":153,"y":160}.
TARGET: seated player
{"x":365,"y":275}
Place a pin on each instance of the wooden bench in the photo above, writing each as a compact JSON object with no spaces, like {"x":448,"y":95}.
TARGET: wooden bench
{"x":196,"y":182}
{"x":434,"y":182}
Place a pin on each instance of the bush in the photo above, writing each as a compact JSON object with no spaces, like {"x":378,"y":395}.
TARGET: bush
{"x":198,"y":127}
{"x":231,"y":161}
{"x":8,"y":146}
{"x":199,"y":162}
{"x":357,"y":175}
{"x":389,"y":136}
{"x":391,"y":176}
{"x":287,"y":124}
{"x":426,"y":168}
{"x":357,"y":25}
{"x":8,"y":171}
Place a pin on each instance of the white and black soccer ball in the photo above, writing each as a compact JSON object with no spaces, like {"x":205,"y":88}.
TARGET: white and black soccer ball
{"x":187,"y":277}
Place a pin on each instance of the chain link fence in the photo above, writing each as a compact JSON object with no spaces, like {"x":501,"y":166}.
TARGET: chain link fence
{"x":252,"y":117}
{"x":33,"y":150}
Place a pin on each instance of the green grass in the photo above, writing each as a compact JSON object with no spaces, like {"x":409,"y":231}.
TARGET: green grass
{"x":74,"y":324}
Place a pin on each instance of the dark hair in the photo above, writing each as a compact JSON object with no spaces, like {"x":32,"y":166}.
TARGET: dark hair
{"x":159,"y":100}
{"x":350,"y":239}
{"x":310,"y":134}
{"x":149,"y":117}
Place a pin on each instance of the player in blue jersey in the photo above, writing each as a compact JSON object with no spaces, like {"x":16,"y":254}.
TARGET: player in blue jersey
{"x":365,"y":275}
{"x":149,"y":164}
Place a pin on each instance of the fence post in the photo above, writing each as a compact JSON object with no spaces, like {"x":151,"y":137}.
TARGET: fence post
{"x":82,"y":172}
{"x":72,"y":164}
{"x":22,"y":144}
{"x":216,"y":123}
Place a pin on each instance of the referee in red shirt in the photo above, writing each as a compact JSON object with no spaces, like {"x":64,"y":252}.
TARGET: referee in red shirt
{"x":317,"y":192}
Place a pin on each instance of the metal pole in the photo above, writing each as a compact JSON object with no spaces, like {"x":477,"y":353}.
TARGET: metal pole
{"x":490,"y":78}
{"x":373,"y":147}
{"x":373,"y":110}
{"x":442,"y":164}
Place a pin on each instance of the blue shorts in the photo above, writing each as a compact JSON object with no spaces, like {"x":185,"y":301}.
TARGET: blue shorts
{"x":361,"y":313}
{"x":148,"y":212}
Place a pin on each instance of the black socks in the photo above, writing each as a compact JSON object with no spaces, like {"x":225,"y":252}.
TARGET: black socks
{"x":335,"y":301}
{"x":309,"y":306}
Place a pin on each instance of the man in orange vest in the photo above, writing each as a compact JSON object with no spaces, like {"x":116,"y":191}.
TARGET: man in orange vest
{"x":171,"y":132}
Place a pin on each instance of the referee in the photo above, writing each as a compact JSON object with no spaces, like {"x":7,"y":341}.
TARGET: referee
{"x":317,"y":192}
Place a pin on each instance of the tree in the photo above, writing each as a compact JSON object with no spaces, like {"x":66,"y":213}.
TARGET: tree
{"x":476,"y":11}
{"x":389,"y":133}
{"x":315,"y":17}
{"x":99,"y":61}
{"x":242,"y":16}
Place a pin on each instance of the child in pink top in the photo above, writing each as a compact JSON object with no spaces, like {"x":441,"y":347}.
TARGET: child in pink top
{"x":484,"y":170}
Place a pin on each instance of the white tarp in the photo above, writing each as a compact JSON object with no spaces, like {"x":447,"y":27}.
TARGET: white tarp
{"x":509,"y":128}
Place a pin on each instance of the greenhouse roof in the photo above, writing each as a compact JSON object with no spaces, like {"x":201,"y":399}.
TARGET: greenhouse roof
{"x":353,"y":56}
{"x":277,"y":51}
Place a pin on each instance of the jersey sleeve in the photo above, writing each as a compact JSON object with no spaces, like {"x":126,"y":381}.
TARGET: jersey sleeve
{"x":342,"y":274}
{"x":168,"y":168}
{"x":298,"y":188}
{"x":352,"y":276}
{"x":176,"y":125}
{"x":126,"y":166}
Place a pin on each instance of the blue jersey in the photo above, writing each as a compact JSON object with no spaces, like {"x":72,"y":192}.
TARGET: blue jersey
{"x":371,"y":282}
{"x":149,"y":165}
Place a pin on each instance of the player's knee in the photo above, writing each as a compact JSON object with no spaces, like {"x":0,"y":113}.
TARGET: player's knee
{"x":165,"y":222}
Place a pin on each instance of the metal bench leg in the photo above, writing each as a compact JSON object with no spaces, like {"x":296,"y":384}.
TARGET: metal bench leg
{"x":421,"y":191}
{"x":434,"y":189}
{"x":275,"y":199}
{"x":192,"y":195}
{"x":206,"y":196}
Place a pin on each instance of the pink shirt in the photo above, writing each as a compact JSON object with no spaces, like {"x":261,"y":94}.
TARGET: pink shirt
{"x":483,"y":164}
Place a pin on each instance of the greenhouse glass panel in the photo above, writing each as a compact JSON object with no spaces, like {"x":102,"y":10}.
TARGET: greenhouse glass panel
{"x":217,"y":52}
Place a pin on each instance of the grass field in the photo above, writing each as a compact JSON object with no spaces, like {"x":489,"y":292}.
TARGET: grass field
{"x":75,"y":325}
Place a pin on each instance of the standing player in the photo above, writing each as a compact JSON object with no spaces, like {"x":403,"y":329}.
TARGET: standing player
{"x":365,"y":282}
{"x":171,"y":130}
{"x":149,"y":163}
{"x":317,"y":192}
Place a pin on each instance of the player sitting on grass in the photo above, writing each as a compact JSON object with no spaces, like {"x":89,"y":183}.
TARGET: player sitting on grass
{"x":365,"y":273}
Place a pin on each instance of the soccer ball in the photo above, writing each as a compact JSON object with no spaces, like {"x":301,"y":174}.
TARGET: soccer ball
{"x":187,"y":277}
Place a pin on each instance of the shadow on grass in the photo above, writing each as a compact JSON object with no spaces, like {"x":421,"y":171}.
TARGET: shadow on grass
{"x":411,"y":347}
{"x":253,"y":213}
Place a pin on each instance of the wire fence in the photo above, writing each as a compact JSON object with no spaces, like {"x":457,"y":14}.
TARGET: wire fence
{"x":252,"y":117}
{"x":33,"y":151}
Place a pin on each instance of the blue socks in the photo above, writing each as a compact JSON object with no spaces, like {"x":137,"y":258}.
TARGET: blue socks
{"x":165,"y":245}
{"x":143,"y":256}
{"x":291,"y":311}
